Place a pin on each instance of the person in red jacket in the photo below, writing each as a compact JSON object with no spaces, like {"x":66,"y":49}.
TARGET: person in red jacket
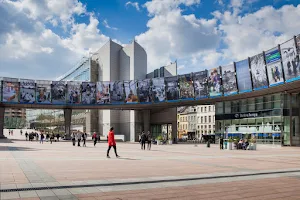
{"x":111,"y":142}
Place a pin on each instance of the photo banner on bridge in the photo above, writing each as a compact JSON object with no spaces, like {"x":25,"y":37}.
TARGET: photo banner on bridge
{"x":275,"y":74}
{"x":58,"y":92}
{"x":103,"y":94}
{"x":88,"y":93}
{"x":229,"y":80}
{"x":172,"y":88}
{"x":117,"y":92}
{"x":1,"y":89}
{"x":43,"y":92}
{"x":74,"y":92}
{"x":200,"y":84}
{"x":186,"y":88}
{"x":258,"y":72}
{"x":214,"y":82}
{"x":290,"y":61}
{"x":298,"y":44}
{"x":243,"y":76}
{"x":10,"y":90}
{"x":27,"y":91}
{"x":158,"y":89}
{"x":272,"y":55}
{"x":130,"y":91}
{"x":144,"y":91}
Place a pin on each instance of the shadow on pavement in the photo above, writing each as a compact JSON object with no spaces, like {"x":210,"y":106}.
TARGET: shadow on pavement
{"x":123,"y":158}
{"x":10,"y":148}
{"x":5,"y":140}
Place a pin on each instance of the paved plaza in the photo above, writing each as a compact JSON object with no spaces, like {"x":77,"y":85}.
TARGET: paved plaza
{"x":30,"y":170}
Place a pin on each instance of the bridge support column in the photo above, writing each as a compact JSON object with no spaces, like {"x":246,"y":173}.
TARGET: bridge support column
{"x":68,"y":117}
{"x":146,"y":120}
{"x":2,"y":112}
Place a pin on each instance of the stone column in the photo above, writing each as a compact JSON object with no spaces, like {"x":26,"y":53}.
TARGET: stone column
{"x":2,"y":112}
{"x":68,"y":118}
{"x":146,"y":120}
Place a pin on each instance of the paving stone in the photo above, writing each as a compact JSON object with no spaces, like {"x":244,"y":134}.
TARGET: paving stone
{"x":9,"y":195}
{"x":27,"y":194}
{"x":45,"y":193}
{"x":61,"y":192}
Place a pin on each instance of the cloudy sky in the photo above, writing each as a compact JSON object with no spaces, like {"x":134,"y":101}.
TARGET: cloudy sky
{"x":41,"y":39}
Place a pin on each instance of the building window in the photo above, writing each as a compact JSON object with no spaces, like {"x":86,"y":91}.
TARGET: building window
{"x":209,"y":119}
{"x":205,"y":109}
{"x":209,"y":126}
{"x":201,"y":126}
{"x":208,"y":108}
{"x":205,"y":119}
{"x":205,"y":127}
{"x":201,"y":120}
{"x":201,"y":109}
{"x":198,"y":127}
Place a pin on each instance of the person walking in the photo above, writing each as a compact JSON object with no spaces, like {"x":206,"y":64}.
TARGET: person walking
{"x":37,"y":137}
{"x":94,"y":137}
{"x":78,"y":138}
{"x":221,"y":143}
{"x":21,"y":132}
{"x":26,"y":136}
{"x":51,"y":138}
{"x":73,"y":139}
{"x":149,"y":139}
{"x":47,"y":137}
{"x":143,"y":140}
{"x":12,"y":133}
{"x":111,"y":142}
{"x":42,"y":138}
{"x":84,"y":139}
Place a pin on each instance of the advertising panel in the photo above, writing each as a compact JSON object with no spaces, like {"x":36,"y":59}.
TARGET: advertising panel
{"x":27,"y":91}
{"x":172,"y":88}
{"x":200,"y":84}
{"x":43,"y":92}
{"x":229,"y":80}
{"x":298,"y":44}
{"x":88,"y":93}
{"x":103,"y":94}
{"x":275,"y":74}
{"x":243,"y":76}
{"x":186,"y":88}
{"x":158,"y":89}
{"x":214,"y":82}
{"x":117,"y":92}
{"x":272,"y":55}
{"x":0,"y":89}
{"x":58,"y":92}
{"x":144,"y":91}
{"x":74,"y":92}
{"x":130,"y":91}
{"x":11,"y":90}
{"x":290,"y":61}
{"x":258,"y":71}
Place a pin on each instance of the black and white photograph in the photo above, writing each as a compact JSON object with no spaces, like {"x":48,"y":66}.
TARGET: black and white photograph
{"x":117,"y":94}
{"x":130,"y":91}
{"x":258,"y":72}
{"x":243,"y":76}
{"x":74,"y":92}
{"x":58,"y":92}
{"x":144,"y":91}
{"x":158,"y":89}
{"x":88,"y":93}
{"x":27,"y":91}
{"x":275,"y":74}
{"x":103,"y":94}
{"x":229,"y":80}
{"x":298,"y":44}
{"x":214,"y":82}
{"x":172,"y":89}
{"x":186,"y":88}
{"x":200,"y":84}
{"x":290,"y":61}
{"x":11,"y":90}
{"x":43,"y":92}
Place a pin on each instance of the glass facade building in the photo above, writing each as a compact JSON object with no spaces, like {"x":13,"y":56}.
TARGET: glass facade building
{"x":272,"y":119}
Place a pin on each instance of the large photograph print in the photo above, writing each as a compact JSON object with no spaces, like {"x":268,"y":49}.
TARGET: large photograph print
{"x":243,"y":76}
{"x":130,"y":91}
{"x":88,"y":93}
{"x":103,"y":94}
{"x":27,"y":91}
{"x":272,"y":55}
{"x":186,"y":88}
{"x":158,"y":89}
{"x":275,"y":74}
{"x":43,"y":92}
{"x":229,"y":80}
{"x":58,"y":92}
{"x":172,"y":89}
{"x":144,"y":91}
{"x":200,"y":84}
{"x":258,"y":71}
{"x":117,"y":92}
{"x":290,"y":61}
{"x":214,"y":82}
{"x":298,"y":44}
{"x":74,"y":93}
{"x":11,"y":90}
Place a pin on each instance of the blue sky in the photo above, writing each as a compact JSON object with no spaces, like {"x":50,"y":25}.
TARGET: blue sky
{"x":48,"y":34}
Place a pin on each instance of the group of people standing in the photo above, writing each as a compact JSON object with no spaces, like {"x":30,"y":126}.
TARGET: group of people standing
{"x":41,"y":137}
{"x":145,"y":138}
{"x":77,"y":137}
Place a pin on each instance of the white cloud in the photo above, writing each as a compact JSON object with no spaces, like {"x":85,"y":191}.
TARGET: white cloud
{"x":105,"y":23}
{"x":134,"y":4}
